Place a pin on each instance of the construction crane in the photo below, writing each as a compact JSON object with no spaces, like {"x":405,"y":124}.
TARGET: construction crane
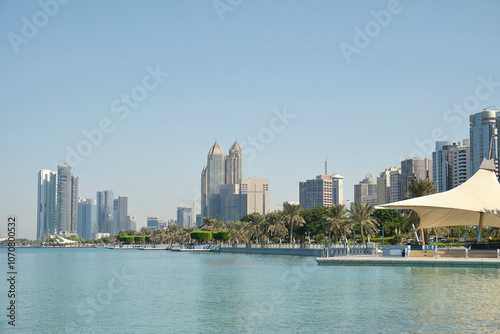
{"x":193,"y":214}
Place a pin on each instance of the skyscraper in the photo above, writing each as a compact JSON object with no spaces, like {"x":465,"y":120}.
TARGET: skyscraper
{"x":152,"y":223}
{"x":413,"y":169}
{"x":388,"y":185}
{"x":483,"y":132}
{"x":105,"y":210}
{"x":325,"y":190}
{"x":131,"y":223}
{"x":87,"y":218}
{"x":254,"y":196}
{"x":219,"y":170}
{"x":120,"y":212}
{"x":366,"y":191}
{"x":461,"y":163}
{"x":46,"y":208}
{"x":442,"y":165}
{"x":67,"y":201}
{"x":185,"y":217}
{"x":233,"y":164}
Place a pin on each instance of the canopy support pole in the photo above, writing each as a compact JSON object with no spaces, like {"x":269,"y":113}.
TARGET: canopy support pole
{"x":480,"y":228}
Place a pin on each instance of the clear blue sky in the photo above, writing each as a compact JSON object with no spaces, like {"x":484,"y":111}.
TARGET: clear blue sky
{"x":225,"y":79}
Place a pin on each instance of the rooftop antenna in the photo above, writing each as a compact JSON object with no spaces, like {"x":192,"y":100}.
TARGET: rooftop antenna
{"x":326,"y":165}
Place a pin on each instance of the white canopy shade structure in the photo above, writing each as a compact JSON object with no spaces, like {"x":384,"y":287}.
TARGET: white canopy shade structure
{"x":475,"y":202}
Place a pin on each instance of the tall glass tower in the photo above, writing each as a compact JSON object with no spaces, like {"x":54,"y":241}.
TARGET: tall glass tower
{"x":105,"y":208}
{"x":484,"y":132}
{"x":46,"y":208}
{"x":67,"y":201}
{"x":233,"y":164}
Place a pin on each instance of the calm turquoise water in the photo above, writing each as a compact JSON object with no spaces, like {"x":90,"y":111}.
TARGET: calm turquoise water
{"x":129,"y":291}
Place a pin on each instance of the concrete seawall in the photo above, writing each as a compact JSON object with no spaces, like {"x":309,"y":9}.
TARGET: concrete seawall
{"x":316,"y":252}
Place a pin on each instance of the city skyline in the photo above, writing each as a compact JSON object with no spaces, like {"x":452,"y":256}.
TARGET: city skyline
{"x":130,"y":105}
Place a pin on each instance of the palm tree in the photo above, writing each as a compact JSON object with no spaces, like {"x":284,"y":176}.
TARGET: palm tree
{"x":158,"y":236}
{"x":172,"y":234}
{"x":255,"y":226}
{"x":419,"y":188}
{"x":144,"y":231}
{"x":185,"y":235}
{"x":335,"y":219}
{"x":237,"y":230}
{"x":361,"y":215}
{"x":274,"y":225}
{"x":292,"y":216}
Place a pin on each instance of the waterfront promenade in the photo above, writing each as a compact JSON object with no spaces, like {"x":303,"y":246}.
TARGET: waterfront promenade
{"x":408,"y":262}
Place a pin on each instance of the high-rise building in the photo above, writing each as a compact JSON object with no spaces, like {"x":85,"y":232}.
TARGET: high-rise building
{"x":461,"y":163}
{"x":414,"y":169}
{"x":105,"y":211}
{"x":152,"y":223}
{"x":131,"y":223}
{"x":220,"y":170}
{"x":366,"y":191}
{"x":484,"y":132}
{"x":67,"y":201}
{"x":325,"y":190}
{"x":239,"y":200}
{"x":120,"y":212}
{"x":389,"y":185}
{"x":46,"y":208}
{"x":442,"y":165}
{"x":185,"y":217}
{"x":87,"y":218}
{"x":254,"y":195}
{"x":214,"y":178}
{"x":233,"y":164}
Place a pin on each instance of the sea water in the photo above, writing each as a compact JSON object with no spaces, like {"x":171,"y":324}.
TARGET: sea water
{"x":92,"y":290}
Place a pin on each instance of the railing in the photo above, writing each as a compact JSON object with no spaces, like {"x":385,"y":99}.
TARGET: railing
{"x":282,"y":245}
{"x":339,"y":250}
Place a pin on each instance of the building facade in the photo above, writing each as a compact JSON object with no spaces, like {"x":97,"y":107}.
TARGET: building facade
{"x":120,"y":213}
{"x":87,"y":218}
{"x":414,"y":169}
{"x":67,"y":201}
{"x":46,"y":204}
{"x":152,"y":223}
{"x":483,"y":134}
{"x":442,"y":166}
{"x":325,"y":191}
{"x":461,"y":158}
{"x":389,"y":185}
{"x":185,"y":217}
{"x":366,"y":191}
{"x":219,"y":171}
{"x":105,"y":211}
{"x":131,"y":223}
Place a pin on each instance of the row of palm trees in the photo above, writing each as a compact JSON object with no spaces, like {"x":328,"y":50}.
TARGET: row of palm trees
{"x":275,"y":226}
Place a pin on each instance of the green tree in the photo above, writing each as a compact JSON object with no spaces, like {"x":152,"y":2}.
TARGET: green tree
{"x":274,"y":226}
{"x":255,"y":226}
{"x":292,"y":216}
{"x":158,"y":236}
{"x":335,"y":220}
{"x":391,"y":220}
{"x":314,"y":219}
{"x":419,"y":188}
{"x":361,"y":216}
{"x":201,"y":236}
{"x":144,"y":231}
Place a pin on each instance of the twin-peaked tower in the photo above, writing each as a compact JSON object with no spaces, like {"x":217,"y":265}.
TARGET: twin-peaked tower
{"x":220,"y":170}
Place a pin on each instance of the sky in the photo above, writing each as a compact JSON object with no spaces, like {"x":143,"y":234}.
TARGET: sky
{"x":133,"y":94}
